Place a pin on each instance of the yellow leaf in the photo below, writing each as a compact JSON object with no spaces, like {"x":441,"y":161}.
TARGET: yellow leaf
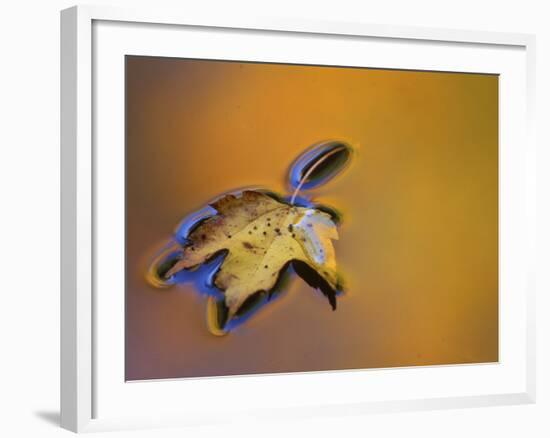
{"x":260,"y":236}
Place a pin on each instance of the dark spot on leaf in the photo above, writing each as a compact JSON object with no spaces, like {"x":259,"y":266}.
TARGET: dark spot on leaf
{"x":290,"y":227}
{"x":265,"y":233}
{"x":268,"y":224}
{"x":265,"y":266}
{"x":293,"y":235}
{"x":248,"y":245}
{"x":203,"y":236}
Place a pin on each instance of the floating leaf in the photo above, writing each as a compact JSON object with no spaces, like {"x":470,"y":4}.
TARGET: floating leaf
{"x":261,"y":237}
{"x":238,"y":250}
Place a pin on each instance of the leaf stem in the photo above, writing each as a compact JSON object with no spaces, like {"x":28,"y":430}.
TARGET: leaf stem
{"x":311,"y":169}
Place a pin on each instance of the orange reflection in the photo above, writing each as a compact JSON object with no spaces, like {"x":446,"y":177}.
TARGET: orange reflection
{"x":419,"y":238}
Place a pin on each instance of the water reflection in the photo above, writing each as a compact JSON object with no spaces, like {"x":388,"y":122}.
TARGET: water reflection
{"x":311,"y":169}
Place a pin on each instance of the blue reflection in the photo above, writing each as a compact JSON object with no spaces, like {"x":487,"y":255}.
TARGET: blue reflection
{"x":202,"y":278}
{"x":299,"y":167}
{"x":300,"y":201}
{"x":191,"y":221}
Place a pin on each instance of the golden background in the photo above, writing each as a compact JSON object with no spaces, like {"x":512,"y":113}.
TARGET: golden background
{"x":419,"y":238}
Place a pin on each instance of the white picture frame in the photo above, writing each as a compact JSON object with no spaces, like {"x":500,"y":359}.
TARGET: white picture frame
{"x":86,"y":377}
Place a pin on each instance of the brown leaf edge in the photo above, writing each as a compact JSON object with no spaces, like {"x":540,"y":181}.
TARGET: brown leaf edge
{"x":218,"y":312}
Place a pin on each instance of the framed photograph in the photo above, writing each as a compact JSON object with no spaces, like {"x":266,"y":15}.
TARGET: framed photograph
{"x":303,"y":218}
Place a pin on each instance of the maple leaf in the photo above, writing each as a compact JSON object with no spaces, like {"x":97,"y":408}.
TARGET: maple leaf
{"x":261,"y":236}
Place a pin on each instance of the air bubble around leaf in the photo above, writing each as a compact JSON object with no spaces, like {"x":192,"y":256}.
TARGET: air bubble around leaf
{"x":319,"y":164}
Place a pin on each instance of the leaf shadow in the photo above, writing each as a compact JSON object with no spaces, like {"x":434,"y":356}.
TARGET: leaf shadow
{"x":51,"y":417}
